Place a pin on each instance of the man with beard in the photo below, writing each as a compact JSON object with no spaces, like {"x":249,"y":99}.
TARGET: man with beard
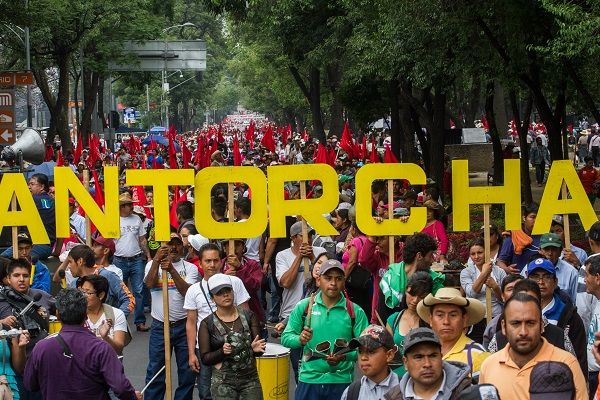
{"x":510,"y":368}
{"x":181,"y":275}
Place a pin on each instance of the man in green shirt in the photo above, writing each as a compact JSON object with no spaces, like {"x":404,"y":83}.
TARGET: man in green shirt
{"x":322,"y":326}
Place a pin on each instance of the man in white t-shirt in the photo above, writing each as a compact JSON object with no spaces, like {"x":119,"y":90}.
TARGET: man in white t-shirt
{"x":131,"y":251}
{"x":181,"y":275}
{"x":290,"y":268}
{"x":199,"y":305}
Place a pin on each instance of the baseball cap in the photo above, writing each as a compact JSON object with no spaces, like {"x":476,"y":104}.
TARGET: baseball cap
{"x":483,"y":391}
{"x":71,"y":201}
{"x":558,"y":220}
{"x":175,"y":239}
{"x":296,"y":229}
{"x":345,"y":178}
{"x":418,"y":336}
{"x":197,"y":241}
{"x":550,"y":240}
{"x":24,"y":238}
{"x":594,"y":232}
{"x":218,"y":282}
{"x":108,"y":243}
{"x":329,"y":265}
{"x":551,"y":380}
{"x":373,"y":337}
{"x":541,"y":263}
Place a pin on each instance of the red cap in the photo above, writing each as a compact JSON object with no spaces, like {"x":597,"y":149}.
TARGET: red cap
{"x":109,"y":243}
{"x":71,"y":200}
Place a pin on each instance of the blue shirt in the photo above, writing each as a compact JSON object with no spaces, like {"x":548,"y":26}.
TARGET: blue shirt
{"x":507,"y":252}
{"x":93,"y":369}
{"x":567,"y":279}
{"x":41,"y":277}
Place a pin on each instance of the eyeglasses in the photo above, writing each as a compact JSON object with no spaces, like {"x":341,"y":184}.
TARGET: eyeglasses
{"x":88,"y":294}
{"x":545,"y":277}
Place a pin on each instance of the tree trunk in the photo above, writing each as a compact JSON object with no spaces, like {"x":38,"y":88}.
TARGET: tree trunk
{"x":436,"y":136}
{"x":336,"y":121}
{"x":59,"y":124}
{"x":472,"y":107}
{"x":91,"y":81}
{"x":500,"y":110}
{"x":522,"y":129}
{"x":397,"y":135}
{"x":100,"y":115}
{"x":490,"y":112}
{"x":313,"y":95}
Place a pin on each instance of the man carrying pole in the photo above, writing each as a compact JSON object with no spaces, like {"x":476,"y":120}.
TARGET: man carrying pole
{"x":168,"y":320}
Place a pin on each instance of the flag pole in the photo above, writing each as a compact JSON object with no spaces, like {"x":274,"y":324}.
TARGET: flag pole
{"x":566,"y":225}
{"x":390,"y":188}
{"x":15,"y":229}
{"x":230,"y":207}
{"x":487,"y":257}
{"x":88,"y":225}
{"x":167,"y":334}
{"x":304,"y":231}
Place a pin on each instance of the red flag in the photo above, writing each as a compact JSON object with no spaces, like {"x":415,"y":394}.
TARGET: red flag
{"x":305,"y":136}
{"x":98,"y":195}
{"x":237,"y":156}
{"x":78,"y":149}
{"x":485,"y":123}
{"x":321,"y":154}
{"x":144,"y":162}
{"x":139,"y":197}
{"x":94,"y":150}
{"x":346,"y":142}
{"x":268,"y":141}
{"x":199,"y":152}
{"x":186,"y":154}
{"x":388,"y":156}
{"x":173,"y":213}
{"x":287,"y":132}
{"x":220,"y":137}
{"x":172,"y":152}
{"x":452,"y":124}
{"x":331,"y":156}
{"x":250,"y":134}
{"x":49,"y":153}
{"x":374,"y":157}
{"x":363,"y":148}
{"x":152,"y":145}
{"x":59,"y":159}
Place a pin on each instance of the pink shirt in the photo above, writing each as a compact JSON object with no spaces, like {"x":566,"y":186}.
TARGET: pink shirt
{"x":358,"y":243}
{"x":438,"y":232}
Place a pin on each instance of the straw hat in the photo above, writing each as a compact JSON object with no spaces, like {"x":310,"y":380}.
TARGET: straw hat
{"x":125,"y":198}
{"x":474,"y":308}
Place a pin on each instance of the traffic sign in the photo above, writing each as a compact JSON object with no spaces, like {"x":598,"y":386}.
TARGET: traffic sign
{"x":9,"y":79}
{"x":7,"y":135}
{"x":8,"y":123}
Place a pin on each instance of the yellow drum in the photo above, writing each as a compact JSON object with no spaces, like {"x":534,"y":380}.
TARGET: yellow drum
{"x":54,"y":325}
{"x":273,"y":371}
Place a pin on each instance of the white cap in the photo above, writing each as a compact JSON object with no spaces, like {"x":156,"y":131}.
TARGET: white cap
{"x":197,"y":241}
{"x":218,"y":282}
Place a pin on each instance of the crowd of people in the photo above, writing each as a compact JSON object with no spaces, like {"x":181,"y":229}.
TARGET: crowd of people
{"x":415,"y":327}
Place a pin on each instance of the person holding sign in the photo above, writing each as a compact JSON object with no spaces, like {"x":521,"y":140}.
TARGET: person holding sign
{"x":521,"y":245}
{"x":181,"y":275}
{"x":324,"y":324}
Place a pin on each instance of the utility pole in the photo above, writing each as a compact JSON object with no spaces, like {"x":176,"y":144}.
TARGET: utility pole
{"x":28,"y":67}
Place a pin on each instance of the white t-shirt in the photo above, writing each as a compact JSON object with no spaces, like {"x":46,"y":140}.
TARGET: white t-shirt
{"x":119,"y":324}
{"x":195,"y":300}
{"x":252,"y":246}
{"x":189,"y":273}
{"x":592,"y":329}
{"x":128,"y":245}
{"x":293,"y":295}
{"x":116,"y":270}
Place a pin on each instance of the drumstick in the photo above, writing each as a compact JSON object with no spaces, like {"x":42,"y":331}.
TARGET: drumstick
{"x":153,"y":378}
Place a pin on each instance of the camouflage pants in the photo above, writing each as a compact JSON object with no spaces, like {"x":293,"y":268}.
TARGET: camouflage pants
{"x":229,"y":385}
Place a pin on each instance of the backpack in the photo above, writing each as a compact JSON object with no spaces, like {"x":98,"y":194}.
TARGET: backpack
{"x":354,"y":390}
{"x":349,"y":308}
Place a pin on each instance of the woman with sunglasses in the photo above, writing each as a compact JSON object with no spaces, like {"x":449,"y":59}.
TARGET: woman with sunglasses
{"x":229,"y":340}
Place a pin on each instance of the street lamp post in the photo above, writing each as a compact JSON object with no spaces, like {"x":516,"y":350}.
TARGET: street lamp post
{"x":165,"y":84}
{"x":28,"y":67}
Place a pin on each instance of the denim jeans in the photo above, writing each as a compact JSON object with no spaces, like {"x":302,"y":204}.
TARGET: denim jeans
{"x":133,"y":271}
{"x":156,"y":359}
{"x":310,"y":391}
{"x":276,"y":292}
{"x":204,"y":379}
{"x":38,"y":252}
{"x":540,"y":172}
{"x":295,"y":356}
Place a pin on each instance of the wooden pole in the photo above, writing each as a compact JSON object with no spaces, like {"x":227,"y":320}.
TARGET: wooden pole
{"x":390,"y":188}
{"x":304,"y":232}
{"x":15,"y":231}
{"x":88,"y":225}
{"x":566,"y":225}
{"x":167,"y":334}
{"x":487,"y":250}
{"x":230,"y":207}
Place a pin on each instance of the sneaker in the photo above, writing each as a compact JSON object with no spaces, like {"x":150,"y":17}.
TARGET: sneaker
{"x":142,"y":328}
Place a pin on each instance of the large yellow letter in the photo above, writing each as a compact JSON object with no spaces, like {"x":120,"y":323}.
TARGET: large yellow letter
{"x":207,"y":178}
{"x":107,"y":222}
{"x":28,"y":215}
{"x":550,"y":204}
{"x":160,"y":180}
{"x":364,"y":208}
{"x":464,"y":195}
{"x":312,"y":209}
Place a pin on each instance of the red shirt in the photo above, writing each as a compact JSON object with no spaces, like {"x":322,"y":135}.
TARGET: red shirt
{"x":588,"y":176}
